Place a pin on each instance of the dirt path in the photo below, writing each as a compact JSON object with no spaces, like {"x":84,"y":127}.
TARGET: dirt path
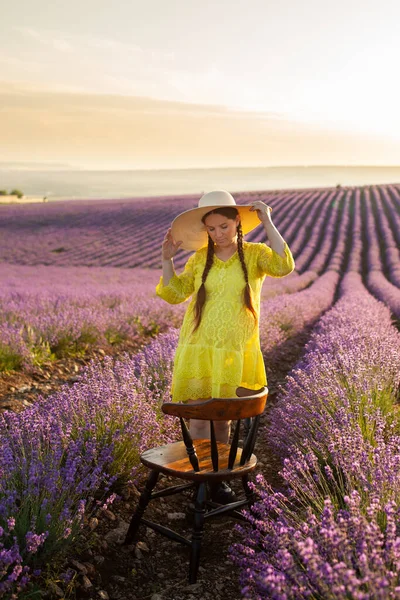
{"x":157,"y":568}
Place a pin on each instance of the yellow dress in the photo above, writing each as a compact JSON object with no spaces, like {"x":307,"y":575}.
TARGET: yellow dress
{"x":224,"y":352}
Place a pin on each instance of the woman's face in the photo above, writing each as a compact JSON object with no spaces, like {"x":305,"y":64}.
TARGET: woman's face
{"x":221,"y":230}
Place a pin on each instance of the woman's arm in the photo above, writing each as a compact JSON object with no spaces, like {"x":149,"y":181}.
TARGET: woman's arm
{"x":168,"y":270}
{"x":277,"y":260}
{"x":175,"y":288}
{"x":168,"y":250}
{"x":264,"y":214}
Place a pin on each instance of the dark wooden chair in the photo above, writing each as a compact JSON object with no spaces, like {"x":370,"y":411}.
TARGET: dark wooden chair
{"x":202,"y":462}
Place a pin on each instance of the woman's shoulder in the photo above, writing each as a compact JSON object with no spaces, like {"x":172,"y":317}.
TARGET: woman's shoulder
{"x":202,"y":251}
{"x":201,"y":254}
{"x":253,"y":248}
{"x":198,"y":257}
{"x":256,"y":251}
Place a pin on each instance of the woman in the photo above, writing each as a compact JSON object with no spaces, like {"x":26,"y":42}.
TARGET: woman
{"x":219,"y":346}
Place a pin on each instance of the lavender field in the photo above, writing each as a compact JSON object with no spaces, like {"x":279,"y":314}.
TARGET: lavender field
{"x":77,"y":276}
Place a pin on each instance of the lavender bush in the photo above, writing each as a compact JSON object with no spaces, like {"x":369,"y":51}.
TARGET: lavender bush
{"x":48,"y":483}
{"x":340,"y":555}
{"x":286,"y":315}
{"x":333,"y":534}
{"x":352,"y":357}
{"x":62,"y":457}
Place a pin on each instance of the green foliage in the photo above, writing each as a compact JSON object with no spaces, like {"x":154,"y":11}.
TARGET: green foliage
{"x":147,"y":328}
{"x":42,"y":354}
{"x":286,"y":327}
{"x":114,"y":336}
{"x":39,"y":348}
{"x":17,"y":193}
{"x":67,"y":345}
{"x":9,"y":359}
{"x":3,"y":192}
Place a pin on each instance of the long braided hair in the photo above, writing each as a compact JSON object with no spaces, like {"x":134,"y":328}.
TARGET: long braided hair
{"x":229,"y":213}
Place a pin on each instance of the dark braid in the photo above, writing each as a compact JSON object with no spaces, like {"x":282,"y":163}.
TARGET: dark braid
{"x":201,"y":294}
{"x":247,"y":290}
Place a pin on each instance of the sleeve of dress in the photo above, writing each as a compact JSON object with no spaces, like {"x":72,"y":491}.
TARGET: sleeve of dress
{"x":180,"y":287}
{"x":273,"y":264}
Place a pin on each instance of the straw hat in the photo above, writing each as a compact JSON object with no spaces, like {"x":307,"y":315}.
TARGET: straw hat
{"x":189,"y":227}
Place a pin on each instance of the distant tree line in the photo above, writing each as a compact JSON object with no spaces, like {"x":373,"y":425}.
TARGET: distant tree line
{"x":17,"y":193}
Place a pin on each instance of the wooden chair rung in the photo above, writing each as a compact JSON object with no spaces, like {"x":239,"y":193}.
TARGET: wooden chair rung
{"x":169,"y":533}
{"x":171,"y":491}
{"x":220,"y":510}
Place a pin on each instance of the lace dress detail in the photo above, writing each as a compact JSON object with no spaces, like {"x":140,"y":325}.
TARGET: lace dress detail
{"x":224,"y":352}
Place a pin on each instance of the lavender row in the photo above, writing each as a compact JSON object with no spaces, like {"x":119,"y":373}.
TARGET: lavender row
{"x":293,"y":211}
{"x":341,"y":246}
{"x":377,"y":282}
{"x":286,"y":315}
{"x":356,"y":254}
{"x":333,"y":534}
{"x":351,"y":354}
{"x":62,"y":459}
{"x":391,"y":257}
{"x":300,"y":216}
{"x":119,"y":234}
{"x":288,"y":285}
{"x":51,"y":312}
{"x":389,"y":196}
{"x":123,"y":233}
{"x":48,"y":312}
{"x":127,"y":233}
{"x":321,"y":227}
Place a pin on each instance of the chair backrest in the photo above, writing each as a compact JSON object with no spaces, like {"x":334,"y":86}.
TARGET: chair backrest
{"x":247,"y":404}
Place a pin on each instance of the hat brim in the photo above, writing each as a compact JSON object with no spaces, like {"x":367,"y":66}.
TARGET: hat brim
{"x":189,"y":229}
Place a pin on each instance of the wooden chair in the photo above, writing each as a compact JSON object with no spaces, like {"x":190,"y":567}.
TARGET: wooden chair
{"x":202,"y":462}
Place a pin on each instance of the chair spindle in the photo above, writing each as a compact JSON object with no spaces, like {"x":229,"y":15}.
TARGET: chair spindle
{"x":254,"y":434}
{"x":191,"y":451}
{"x":250,"y":441}
{"x":214,"y":447}
{"x":234,"y":446}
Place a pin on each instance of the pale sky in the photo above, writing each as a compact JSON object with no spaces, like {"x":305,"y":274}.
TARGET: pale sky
{"x":170,"y":83}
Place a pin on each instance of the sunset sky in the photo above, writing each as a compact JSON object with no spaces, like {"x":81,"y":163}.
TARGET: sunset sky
{"x":182,"y":83}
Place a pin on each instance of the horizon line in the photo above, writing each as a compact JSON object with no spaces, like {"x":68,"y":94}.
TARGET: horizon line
{"x":28,"y":166}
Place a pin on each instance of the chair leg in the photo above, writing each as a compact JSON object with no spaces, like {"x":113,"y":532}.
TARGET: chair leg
{"x":197,"y":535}
{"x":143,"y":502}
{"x":249,"y":493}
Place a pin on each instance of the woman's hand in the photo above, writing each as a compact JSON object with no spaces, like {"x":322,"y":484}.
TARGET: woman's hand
{"x":169,"y":247}
{"x":263,"y":211}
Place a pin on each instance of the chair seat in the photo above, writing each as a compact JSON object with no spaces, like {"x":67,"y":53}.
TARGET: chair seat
{"x":172,"y":459}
